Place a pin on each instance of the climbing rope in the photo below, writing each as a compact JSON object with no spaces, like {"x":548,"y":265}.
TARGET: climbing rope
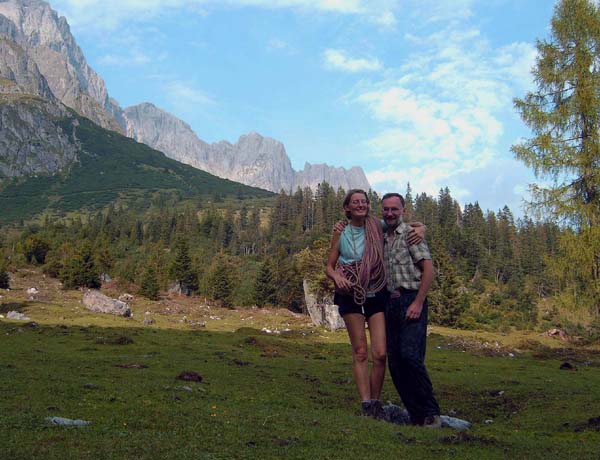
{"x":367,"y":275}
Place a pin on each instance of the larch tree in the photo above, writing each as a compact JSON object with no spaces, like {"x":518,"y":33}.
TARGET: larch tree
{"x":563,"y":114}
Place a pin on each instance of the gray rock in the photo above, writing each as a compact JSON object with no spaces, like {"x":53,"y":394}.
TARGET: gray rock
{"x":31,"y":140}
{"x":17,"y":315}
{"x":254,"y":160}
{"x":47,"y":39}
{"x":400,"y":416}
{"x":322,"y":314}
{"x":97,"y":302}
{"x":67,"y":421}
{"x":455,"y":423}
{"x":148,"y":321}
{"x":180,"y":289}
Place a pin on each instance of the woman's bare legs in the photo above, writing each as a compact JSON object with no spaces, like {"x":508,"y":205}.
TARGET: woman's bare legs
{"x":378,"y":353}
{"x":355,"y":324}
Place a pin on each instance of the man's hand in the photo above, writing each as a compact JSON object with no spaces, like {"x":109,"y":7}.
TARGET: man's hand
{"x":414,"y":310}
{"x":416,"y":235}
{"x":339,"y":226}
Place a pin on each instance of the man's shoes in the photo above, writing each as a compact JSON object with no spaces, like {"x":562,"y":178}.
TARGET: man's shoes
{"x":432,"y":421}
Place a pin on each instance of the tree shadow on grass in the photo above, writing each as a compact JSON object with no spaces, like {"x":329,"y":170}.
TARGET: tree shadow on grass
{"x":12,"y":306}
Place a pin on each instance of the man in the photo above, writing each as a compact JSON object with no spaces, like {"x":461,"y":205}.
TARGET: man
{"x":409,"y":277}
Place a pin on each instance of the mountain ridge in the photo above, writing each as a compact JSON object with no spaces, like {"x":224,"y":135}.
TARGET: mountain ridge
{"x":50,"y":57}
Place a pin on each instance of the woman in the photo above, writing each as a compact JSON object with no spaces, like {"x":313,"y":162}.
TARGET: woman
{"x":361,"y":295}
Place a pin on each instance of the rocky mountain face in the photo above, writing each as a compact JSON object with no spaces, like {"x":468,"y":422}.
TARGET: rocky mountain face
{"x":47,"y":39}
{"x":33,"y":135}
{"x":39,"y":56}
{"x":253,"y":160}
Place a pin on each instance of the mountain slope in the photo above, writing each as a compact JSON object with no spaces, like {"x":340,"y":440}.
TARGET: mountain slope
{"x":108,"y":167}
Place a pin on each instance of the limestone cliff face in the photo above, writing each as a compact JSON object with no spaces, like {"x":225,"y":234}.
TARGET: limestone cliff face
{"x":18,"y":67}
{"x":348,"y":179}
{"x":47,"y":39}
{"x":40,"y":57}
{"x":253,"y":160}
{"x":31,"y":140}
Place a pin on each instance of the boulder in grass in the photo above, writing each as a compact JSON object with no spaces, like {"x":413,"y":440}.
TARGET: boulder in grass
{"x":322,"y":314}
{"x":97,"y":302}
{"x":17,"y":315}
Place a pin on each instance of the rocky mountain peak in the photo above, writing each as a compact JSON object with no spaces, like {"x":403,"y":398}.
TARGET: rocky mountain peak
{"x":47,"y":39}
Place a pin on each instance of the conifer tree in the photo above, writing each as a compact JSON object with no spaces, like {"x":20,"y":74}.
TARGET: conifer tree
{"x":4,"y":278}
{"x":182,"y":267}
{"x":80,"y":269}
{"x":265,"y":292}
{"x":564,"y":116}
{"x":149,"y":287}
{"x":220,"y":283}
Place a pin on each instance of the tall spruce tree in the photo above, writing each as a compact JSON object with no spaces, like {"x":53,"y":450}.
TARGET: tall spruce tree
{"x":4,"y":278}
{"x":149,"y":287}
{"x":265,"y":291}
{"x":564,"y":116}
{"x":182,"y":267}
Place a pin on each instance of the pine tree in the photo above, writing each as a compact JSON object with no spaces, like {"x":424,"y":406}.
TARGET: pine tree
{"x":220,"y":282}
{"x":265,"y":292}
{"x":564,"y":116}
{"x":149,"y":287}
{"x":80,"y":269}
{"x":446,"y":299}
{"x":4,"y":278}
{"x":182,"y":267}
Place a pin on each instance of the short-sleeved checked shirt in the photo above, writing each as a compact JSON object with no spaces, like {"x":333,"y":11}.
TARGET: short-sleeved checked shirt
{"x":400,"y":259}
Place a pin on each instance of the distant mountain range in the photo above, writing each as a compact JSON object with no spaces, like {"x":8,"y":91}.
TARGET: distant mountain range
{"x":41,"y":58}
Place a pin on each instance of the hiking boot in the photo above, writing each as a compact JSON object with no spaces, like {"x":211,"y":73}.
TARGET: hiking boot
{"x":432,"y":421}
{"x":365,"y":409}
{"x":377,"y":411}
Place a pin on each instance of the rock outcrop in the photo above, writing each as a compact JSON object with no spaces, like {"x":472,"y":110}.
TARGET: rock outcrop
{"x":253,"y":160}
{"x":322,"y":313}
{"x":47,"y":39}
{"x":97,"y":302}
{"x":31,"y":140}
{"x":39,"y":56}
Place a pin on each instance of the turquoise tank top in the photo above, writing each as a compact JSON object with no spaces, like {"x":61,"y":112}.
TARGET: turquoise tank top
{"x":352,"y":244}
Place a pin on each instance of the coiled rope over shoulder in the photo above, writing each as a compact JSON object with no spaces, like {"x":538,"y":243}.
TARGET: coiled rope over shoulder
{"x":367,"y":276}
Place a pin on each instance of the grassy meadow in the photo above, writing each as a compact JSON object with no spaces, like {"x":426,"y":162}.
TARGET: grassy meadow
{"x":268,"y":395}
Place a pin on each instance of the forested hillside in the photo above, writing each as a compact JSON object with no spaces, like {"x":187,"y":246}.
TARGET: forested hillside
{"x":493,"y":270}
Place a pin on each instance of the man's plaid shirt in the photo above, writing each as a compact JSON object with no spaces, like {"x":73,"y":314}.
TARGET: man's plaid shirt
{"x":400,"y":259}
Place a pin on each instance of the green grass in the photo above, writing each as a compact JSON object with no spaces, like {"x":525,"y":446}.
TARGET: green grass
{"x":265,"y":396}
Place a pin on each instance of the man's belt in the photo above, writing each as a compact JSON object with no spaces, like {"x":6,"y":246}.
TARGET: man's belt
{"x":399,"y":292}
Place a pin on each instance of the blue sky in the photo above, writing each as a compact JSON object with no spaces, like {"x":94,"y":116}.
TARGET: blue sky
{"x":415,"y":91}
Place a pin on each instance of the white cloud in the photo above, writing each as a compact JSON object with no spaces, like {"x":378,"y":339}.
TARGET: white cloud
{"x":339,"y":60}
{"x":440,"y":112}
{"x":184,"y":96}
{"x":109,"y":14}
{"x":134,"y":58}
{"x":277,"y":44}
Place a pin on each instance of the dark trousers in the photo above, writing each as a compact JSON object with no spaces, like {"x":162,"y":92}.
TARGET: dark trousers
{"x":406,"y":342}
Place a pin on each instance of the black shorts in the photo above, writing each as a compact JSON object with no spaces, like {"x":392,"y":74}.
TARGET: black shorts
{"x":372,"y":305}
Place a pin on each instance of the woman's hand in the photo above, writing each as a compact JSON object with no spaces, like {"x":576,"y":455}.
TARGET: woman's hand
{"x":416,"y":235}
{"x":341,"y":283}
